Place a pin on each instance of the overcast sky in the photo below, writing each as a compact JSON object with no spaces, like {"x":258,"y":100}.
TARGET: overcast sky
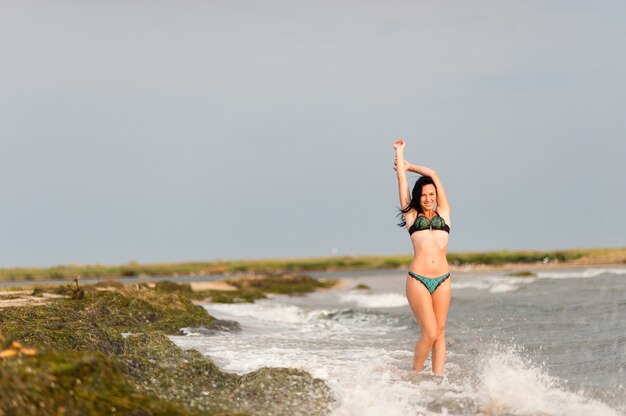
{"x":163,"y":131}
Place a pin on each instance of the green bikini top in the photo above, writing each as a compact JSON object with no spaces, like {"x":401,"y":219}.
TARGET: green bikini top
{"x":423,"y":223}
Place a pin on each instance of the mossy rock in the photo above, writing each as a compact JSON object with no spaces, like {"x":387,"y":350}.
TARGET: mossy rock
{"x":287,"y":284}
{"x":245,"y":295}
{"x":168,"y":286}
{"x":95,"y":322}
{"x":59,"y":326}
{"x":159,"y":367}
{"x":251,"y":288}
{"x":278,"y":391}
{"x":362,"y":286}
{"x":524,"y":273}
{"x":141,"y":373}
{"x":75,"y":384}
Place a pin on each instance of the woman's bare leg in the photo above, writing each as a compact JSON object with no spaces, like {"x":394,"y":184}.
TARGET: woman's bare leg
{"x":422,"y":307}
{"x":441,"y":303}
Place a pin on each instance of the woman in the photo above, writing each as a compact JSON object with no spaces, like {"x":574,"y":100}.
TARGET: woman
{"x":426,"y":214}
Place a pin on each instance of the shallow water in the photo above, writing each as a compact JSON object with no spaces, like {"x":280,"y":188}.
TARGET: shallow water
{"x":554,"y":344}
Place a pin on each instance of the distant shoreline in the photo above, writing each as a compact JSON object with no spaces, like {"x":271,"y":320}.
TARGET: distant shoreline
{"x":458,"y":262}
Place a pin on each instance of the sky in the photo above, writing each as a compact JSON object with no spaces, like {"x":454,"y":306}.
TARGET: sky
{"x":162,"y":131}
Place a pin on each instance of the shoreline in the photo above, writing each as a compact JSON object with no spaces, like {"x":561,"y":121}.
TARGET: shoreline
{"x":145,"y":363}
{"x":93,"y":348}
{"x":219,"y":283}
{"x":519,"y":258}
{"x":21,"y":293}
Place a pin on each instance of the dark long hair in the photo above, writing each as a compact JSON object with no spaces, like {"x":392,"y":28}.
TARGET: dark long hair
{"x":416,"y":194}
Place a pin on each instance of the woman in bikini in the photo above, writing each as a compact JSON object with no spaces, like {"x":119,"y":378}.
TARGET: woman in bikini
{"x":426,"y":215}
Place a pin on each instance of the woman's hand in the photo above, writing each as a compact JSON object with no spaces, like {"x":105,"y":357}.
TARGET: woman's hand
{"x":395,"y":164}
{"x":399,"y":145}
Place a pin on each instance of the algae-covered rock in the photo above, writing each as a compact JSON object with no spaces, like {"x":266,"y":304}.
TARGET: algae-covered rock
{"x":220,"y":326}
{"x":251,"y":288}
{"x":289,"y":284}
{"x":281,"y":391}
{"x":86,"y":366}
{"x":158,"y":366}
{"x":244,"y":295}
{"x":524,"y":273}
{"x":72,"y":383}
{"x":59,"y":325}
{"x":95,"y":322}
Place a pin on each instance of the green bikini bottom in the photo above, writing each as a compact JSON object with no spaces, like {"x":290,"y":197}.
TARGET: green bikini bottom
{"x":431,"y":283}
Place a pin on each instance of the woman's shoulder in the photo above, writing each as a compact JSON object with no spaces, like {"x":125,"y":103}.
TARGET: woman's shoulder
{"x":410,"y":217}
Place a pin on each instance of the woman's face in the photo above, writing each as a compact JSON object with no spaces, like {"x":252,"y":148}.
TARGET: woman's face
{"x":429,"y":197}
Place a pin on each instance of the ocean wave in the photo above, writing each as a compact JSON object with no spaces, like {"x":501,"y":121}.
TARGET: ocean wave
{"x":579,"y":274}
{"x":375,"y":300}
{"x":265,"y":311}
{"x":503,"y":284}
{"x":510,"y":384}
{"x":369,"y":370}
{"x":493,"y":284}
{"x":331,"y":321}
{"x":370,"y":319}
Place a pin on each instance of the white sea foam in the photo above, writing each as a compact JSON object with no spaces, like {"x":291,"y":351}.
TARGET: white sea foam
{"x":365,"y":356}
{"x":267,"y":311}
{"x":372,"y":380}
{"x":494,"y":284}
{"x":374,"y":300}
{"x":510,"y":385}
{"x":579,"y":274}
{"x":314,"y":324}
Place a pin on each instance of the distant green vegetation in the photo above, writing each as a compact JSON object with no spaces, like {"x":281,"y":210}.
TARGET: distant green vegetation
{"x":501,"y":257}
{"x":609,"y":255}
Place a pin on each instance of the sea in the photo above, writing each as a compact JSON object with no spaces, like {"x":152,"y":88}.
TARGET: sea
{"x":553,"y":343}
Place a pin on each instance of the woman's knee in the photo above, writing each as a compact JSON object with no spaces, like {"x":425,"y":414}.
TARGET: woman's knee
{"x":441,"y":334}
{"x":430,"y":335}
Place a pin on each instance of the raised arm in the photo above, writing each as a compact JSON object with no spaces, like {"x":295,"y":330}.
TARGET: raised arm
{"x":403,"y":184}
{"x":442,"y":199}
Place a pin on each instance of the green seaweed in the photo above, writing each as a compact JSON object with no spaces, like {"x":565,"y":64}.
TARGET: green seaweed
{"x":159,"y":367}
{"x":95,"y":322}
{"x":73,"y":383}
{"x":524,"y":273}
{"x":230,"y":296}
{"x":285,"y":284}
{"x":85,"y":365}
{"x":251,"y":288}
{"x":243,"y":295}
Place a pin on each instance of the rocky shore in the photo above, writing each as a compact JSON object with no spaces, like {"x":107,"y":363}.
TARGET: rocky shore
{"x":104,"y":349}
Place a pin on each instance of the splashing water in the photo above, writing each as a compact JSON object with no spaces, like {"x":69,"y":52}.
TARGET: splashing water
{"x":361,"y":344}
